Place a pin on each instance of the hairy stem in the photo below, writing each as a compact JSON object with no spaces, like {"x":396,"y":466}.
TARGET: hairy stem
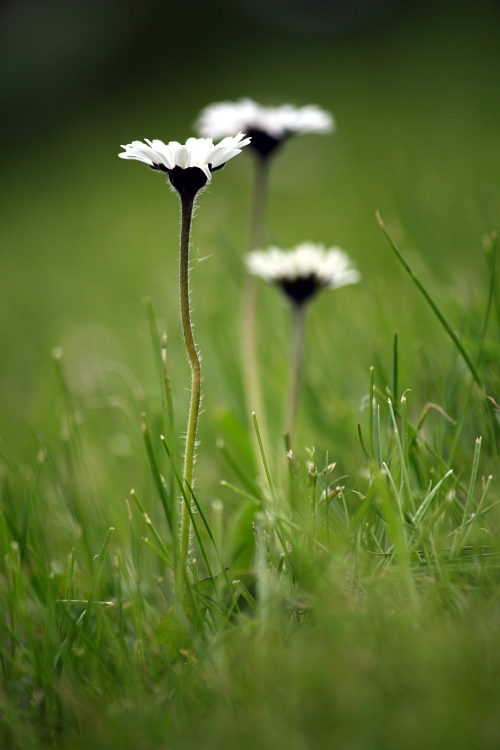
{"x":187,"y":204}
{"x":251,"y":380}
{"x":295,"y":369}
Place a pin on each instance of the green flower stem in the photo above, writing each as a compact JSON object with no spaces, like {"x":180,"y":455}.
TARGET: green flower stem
{"x":295,"y":368}
{"x":259,"y":206}
{"x":251,"y":380}
{"x":187,"y":203}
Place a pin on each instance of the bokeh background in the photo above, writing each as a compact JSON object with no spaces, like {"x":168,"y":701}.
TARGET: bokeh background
{"x":84,"y":237}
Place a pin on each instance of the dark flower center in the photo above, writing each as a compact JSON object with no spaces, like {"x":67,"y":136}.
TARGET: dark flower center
{"x":301,"y":289}
{"x":187,"y":181}
{"x":263,"y":143}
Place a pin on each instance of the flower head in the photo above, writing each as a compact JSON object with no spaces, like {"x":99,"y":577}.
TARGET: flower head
{"x":267,"y":126}
{"x":303,"y":271}
{"x":188,"y":166}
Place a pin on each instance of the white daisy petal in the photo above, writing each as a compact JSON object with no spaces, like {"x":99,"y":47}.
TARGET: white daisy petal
{"x":196,"y":152}
{"x":229,"y":118}
{"x":182,"y":157}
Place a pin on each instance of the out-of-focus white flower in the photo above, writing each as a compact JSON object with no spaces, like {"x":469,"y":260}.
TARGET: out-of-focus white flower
{"x":196,"y":153}
{"x":268,"y":126}
{"x":303,"y":271}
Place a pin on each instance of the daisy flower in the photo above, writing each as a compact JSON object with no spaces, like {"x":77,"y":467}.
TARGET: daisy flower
{"x":267,"y":126}
{"x":189,"y":166}
{"x":303,"y":271}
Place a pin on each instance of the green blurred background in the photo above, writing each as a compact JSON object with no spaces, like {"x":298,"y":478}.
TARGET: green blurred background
{"x":84,"y":236}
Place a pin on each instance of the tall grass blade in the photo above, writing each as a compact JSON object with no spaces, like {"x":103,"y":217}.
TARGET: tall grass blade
{"x":449,"y":330}
{"x":491,"y":248}
{"x":150,"y":524}
{"x":250,"y":486}
{"x":402,"y":457}
{"x":395,"y":369}
{"x":96,"y":579}
{"x":459,"y":536}
{"x":370,"y":411}
{"x":166,"y":501}
{"x":263,"y":456}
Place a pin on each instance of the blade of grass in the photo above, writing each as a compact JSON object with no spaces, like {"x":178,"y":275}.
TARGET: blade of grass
{"x":458,"y":539}
{"x":362,"y":442}
{"x":363,"y":508}
{"x":166,"y":501}
{"x":402,"y":458}
{"x":477,"y":514}
{"x":170,"y":408}
{"x":491,"y":292}
{"x":370,"y":410}
{"x":404,"y":431}
{"x":161,"y":554}
{"x":378,"y":438}
{"x":247,"y":596}
{"x":395,"y":368}
{"x":150,"y":524}
{"x":96,"y":579}
{"x":156,"y":343}
{"x":245,"y":481}
{"x":449,"y":330}
{"x":395,"y":526}
{"x":240,"y":492}
{"x":422,"y":510}
{"x":263,"y":456}
{"x":193,"y":520}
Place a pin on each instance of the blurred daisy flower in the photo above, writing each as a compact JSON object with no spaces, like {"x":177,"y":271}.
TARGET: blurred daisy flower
{"x":189,"y":166}
{"x":267,"y":126}
{"x":303,"y":271}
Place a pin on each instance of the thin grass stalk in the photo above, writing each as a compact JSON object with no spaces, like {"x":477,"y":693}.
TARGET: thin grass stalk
{"x":370,"y":411}
{"x":155,"y":341}
{"x":187,"y":204}
{"x":152,"y":528}
{"x":295,"y":369}
{"x":187,"y":498}
{"x":263,"y":456}
{"x":251,"y":378}
{"x":458,"y":540}
{"x":378,"y":434}
{"x":449,"y":330}
{"x":477,"y":514}
{"x":101,"y":559}
{"x":262,"y":571}
{"x":162,"y":489}
{"x":475,"y":465}
{"x":167,"y":383}
{"x":251,"y":487}
{"x":491,"y":248}
{"x":404,"y":431}
{"x":402,"y":456}
{"x":395,"y":369}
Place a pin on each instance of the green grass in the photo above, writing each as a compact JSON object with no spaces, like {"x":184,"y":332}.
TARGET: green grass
{"x":367,"y":615}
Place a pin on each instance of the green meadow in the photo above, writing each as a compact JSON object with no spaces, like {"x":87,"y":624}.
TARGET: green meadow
{"x":346,"y":596}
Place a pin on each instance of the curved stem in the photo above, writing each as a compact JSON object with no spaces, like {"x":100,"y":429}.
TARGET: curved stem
{"x":251,"y":380}
{"x":187,"y":203}
{"x":295,"y":368}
